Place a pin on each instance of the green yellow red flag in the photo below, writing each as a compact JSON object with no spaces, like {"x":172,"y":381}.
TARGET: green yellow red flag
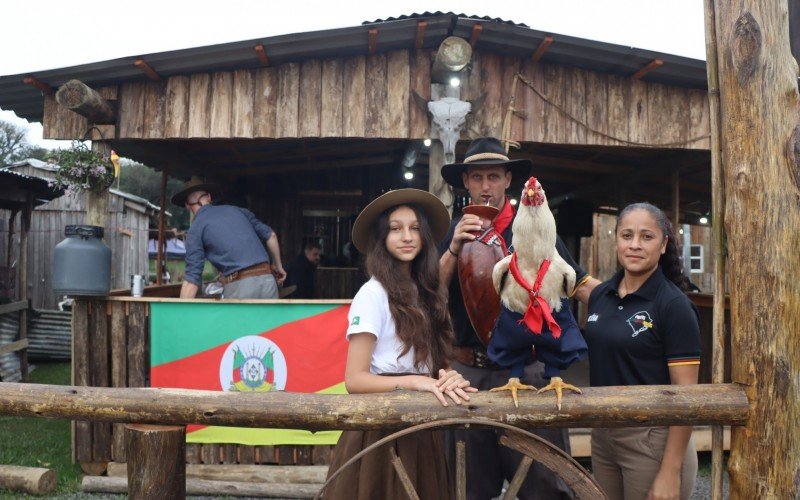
{"x":298,"y":347}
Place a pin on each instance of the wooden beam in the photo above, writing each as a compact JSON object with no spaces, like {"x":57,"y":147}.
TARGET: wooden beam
{"x":78,"y":97}
{"x":262,"y":55}
{"x":14,"y":346}
{"x":373,"y":40}
{"x":147,"y":70}
{"x":630,"y":406}
{"x":421,"y":25}
{"x":47,"y":89}
{"x":652,"y":65}
{"x":273,"y":168}
{"x":13,"y":306}
{"x":477,"y":29}
{"x":542,"y":48}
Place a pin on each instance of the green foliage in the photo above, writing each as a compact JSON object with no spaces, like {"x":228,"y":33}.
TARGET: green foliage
{"x":81,"y":169}
{"x":144,"y":181}
{"x":12,"y":143}
{"x":41,"y":442}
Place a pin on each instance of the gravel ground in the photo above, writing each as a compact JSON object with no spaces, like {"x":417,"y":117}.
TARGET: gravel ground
{"x":702,"y":488}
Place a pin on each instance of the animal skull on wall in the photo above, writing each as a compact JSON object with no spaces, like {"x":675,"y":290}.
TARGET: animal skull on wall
{"x":449,"y":115}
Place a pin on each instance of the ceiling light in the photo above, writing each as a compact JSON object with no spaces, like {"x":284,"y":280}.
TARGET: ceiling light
{"x":408,"y":175}
{"x":455,"y":82}
{"x":513,"y":201}
{"x":427,"y":143}
{"x":703,"y":220}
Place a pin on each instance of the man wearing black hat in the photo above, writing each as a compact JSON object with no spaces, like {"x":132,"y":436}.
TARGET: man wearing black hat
{"x":231,"y":239}
{"x":486,"y":173}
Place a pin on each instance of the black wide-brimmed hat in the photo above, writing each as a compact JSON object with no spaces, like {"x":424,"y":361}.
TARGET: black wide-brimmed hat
{"x":192,"y":185}
{"x":485,"y":151}
{"x":435,"y":211}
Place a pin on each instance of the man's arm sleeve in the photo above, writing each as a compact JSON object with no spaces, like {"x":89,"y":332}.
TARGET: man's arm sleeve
{"x":195,"y":257}
{"x":262,"y":230}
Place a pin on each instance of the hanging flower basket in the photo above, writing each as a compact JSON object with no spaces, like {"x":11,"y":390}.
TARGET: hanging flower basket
{"x":81,"y":169}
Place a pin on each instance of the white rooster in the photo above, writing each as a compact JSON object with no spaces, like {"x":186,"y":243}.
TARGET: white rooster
{"x":538,"y":287}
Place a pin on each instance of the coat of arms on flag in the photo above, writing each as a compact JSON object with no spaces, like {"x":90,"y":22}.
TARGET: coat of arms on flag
{"x":253,"y":363}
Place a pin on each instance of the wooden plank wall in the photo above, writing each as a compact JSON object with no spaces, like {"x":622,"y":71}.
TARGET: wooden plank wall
{"x":129,"y":253}
{"x":111,"y":342}
{"x":370,"y":96}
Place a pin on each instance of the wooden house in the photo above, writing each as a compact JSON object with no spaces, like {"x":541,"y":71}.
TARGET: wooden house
{"x":126,"y":235}
{"x":307,"y":128}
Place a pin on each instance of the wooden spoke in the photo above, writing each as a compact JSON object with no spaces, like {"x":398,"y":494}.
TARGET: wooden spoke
{"x":519,"y":478}
{"x":401,"y":471}
{"x":461,"y":470}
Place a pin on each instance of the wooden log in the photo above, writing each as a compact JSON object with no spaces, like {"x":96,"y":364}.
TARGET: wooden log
{"x":93,"y":468}
{"x":131,"y":110}
{"x":265,"y":102}
{"x":82,"y":430}
{"x":137,"y":337}
{"x":760,"y":145}
{"x":286,"y":474}
{"x":332,"y":98}
{"x":310,"y":98}
{"x":398,"y":93}
{"x":177,"y":107}
{"x":32,"y":480}
{"x":199,"y":105}
{"x":242,"y":107}
{"x":156,"y":461}
{"x":82,"y":99}
{"x":288,"y":100}
{"x":375,"y":113}
{"x":597,"y":407}
{"x":119,"y":371}
{"x":452,"y":56}
{"x":354,"y":97}
{"x":119,"y":485}
{"x":100,"y":376}
{"x":14,"y":346}
{"x":419,"y":123}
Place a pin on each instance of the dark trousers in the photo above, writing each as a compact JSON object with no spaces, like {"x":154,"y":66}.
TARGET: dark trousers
{"x":488,"y":462}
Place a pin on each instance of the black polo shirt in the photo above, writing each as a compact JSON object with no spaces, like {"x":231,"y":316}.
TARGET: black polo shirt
{"x":465,"y":335}
{"x":634,"y":340}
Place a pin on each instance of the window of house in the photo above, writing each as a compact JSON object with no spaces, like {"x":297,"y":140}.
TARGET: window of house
{"x":696,"y":258}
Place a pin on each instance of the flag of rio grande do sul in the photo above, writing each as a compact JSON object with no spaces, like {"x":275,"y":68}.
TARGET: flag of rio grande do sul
{"x":249,"y":347}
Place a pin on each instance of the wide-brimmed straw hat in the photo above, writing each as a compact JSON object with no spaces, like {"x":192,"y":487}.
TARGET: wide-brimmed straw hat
{"x":192,"y":185}
{"x":485,"y":151}
{"x":435,"y":211}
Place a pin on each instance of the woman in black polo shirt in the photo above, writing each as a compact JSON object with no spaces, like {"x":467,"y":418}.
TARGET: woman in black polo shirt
{"x":643,"y":330}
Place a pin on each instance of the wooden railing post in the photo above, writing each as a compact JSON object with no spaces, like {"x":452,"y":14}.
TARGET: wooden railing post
{"x":156,"y":461}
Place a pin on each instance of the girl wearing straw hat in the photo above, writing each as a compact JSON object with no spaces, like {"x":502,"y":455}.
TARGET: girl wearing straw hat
{"x":400,"y":336}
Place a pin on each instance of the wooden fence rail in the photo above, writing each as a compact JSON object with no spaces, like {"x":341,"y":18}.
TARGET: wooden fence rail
{"x":704,"y":404}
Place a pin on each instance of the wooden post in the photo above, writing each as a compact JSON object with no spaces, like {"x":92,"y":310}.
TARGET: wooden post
{"x":10,"y":246}
{"x":97,"y":203}
{"x":156,"y":461}
{"x":23,"y":283}
{"x":160,"y":252}
{"x":761,"y":147}
{"x":718,"y":245}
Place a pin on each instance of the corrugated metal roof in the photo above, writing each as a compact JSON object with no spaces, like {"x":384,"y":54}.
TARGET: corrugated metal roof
{"x":497,"y":35}
{"x":440,"y":13}
{"x":39,"y":187}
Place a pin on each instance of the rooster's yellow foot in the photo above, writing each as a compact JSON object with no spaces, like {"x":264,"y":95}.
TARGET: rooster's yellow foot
{"x":514,"y":385}
{"x":558,"y":385}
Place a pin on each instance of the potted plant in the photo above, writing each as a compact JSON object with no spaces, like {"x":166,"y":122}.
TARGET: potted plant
{"x":81,"y":169}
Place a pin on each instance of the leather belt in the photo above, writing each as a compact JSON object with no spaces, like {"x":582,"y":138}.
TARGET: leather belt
{"x":474,"y":356}
{"x":247,"y":272}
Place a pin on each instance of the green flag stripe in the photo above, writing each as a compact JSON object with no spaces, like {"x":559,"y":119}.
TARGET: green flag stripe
{"x":180,"y":329}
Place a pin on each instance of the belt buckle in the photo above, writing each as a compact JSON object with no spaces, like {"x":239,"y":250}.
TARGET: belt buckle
{"x":480,"y":359}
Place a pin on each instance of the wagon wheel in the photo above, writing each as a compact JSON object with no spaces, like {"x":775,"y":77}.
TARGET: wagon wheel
{"x":531,"y":446}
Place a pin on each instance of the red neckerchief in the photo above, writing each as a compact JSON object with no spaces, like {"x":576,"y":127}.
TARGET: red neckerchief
{"x":504,"y":218}
{"x":538,"y":310}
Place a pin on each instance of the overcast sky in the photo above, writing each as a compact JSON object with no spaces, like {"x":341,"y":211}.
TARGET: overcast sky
{"x":47,"y":34}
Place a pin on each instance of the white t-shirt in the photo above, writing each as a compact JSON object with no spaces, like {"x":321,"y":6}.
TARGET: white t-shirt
{"x":369,"y":313}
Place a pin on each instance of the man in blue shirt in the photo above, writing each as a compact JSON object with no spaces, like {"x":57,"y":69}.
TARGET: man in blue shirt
{"x":231,"y":239}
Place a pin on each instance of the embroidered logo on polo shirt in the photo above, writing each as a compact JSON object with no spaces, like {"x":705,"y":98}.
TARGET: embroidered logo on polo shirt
{"x":593,"y":318}
{"x":356,"y":320}
{"x":640,"y":322}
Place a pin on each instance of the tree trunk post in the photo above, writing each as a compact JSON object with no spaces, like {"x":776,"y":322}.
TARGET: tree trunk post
{"x":156,"y":461}
{"x":760,"y":143}
{"x":97,"y":203}
{"x":82,"y":99}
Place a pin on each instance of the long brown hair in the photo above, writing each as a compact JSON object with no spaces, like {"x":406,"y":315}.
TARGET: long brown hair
{"x":417,"y":300}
